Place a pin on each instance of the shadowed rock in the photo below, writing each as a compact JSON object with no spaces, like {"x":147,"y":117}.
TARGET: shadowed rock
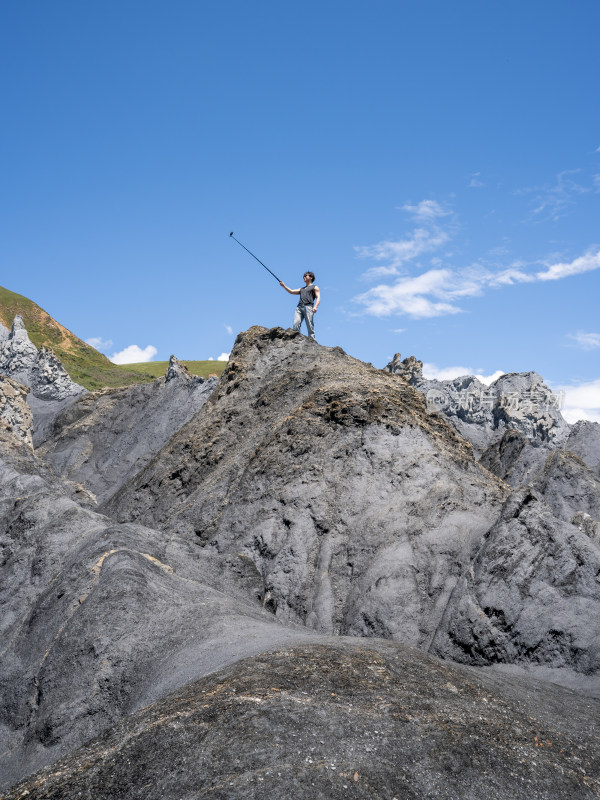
{"x":584,"y":441}
{"x":98,"y":619}
{"x":530,"y":596}
{"x":340,"y":720}
{"x":107,"y":437}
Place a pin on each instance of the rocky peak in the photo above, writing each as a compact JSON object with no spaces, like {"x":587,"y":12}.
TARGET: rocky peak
{"x":51,"y":387}
{"x":410,"y":368}
{"x":177,"y":370}
{"x":17,"y":351}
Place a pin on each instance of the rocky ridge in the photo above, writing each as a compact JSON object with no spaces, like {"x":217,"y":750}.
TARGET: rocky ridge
{"x":106,"y":437}
{"x":305,"y":494}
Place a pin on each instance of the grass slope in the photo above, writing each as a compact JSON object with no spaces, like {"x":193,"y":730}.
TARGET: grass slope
{"x":84,"y":364}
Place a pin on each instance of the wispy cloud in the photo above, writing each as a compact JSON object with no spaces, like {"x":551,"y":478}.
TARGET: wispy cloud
{"x":99,"y":343}
{"x":587,"y":341}
{"x":134,"y":355}
{"x":551,"y":202}
{"x":399,"y":253}
{"x":229,"y":329}
{"x":563,"y":269}
{"x":426,"y":210}
{"x":475,"y":182}
{"x":435,"y":291}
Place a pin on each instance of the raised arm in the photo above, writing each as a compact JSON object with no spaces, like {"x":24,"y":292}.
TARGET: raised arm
{"x":287,"y":288}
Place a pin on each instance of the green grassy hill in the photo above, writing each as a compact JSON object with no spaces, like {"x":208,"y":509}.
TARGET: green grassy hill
{"x":84,"y":364}
{"x":202,"y":368}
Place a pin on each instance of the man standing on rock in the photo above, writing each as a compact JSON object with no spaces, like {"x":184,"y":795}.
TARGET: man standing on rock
{"x":310,"y":297}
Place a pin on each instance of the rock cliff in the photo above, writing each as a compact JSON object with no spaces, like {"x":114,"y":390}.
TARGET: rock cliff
{"x":51,"y":388}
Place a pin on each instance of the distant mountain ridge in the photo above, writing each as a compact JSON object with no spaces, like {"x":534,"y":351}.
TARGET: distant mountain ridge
{"x":84,"y":364}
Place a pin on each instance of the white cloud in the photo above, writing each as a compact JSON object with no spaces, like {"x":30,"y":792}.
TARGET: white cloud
{"x":407,"y":296}
{"x":581,"y":401}
{"x":434,"y":373}
{"x":399,"y":330}
{"x":426,"y":210}
{"x":229,"y":329}
{"x":421,"y":240}
{"x":99,"y":343}
{"x":134,"y":355}
{"x":587,"y":341}
{"x":222,"y":357}
{"x":563,"y":269}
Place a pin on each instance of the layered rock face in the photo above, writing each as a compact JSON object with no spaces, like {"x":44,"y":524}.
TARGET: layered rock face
{"x":15,"y":414}
{"x":357,"y":507}
{"x":51,"y":387}
{"x":98,"y":619}
{"x":106,"y":437}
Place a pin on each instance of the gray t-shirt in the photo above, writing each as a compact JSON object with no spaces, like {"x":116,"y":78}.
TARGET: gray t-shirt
{"x":307,"y":295}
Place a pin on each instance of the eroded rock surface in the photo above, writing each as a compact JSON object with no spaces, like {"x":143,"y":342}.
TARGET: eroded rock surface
{"x":357,"y":507}
{"x":106,"y":437}
{"x":530,"y":596}
{"x":15,"y":414}
{"x":342,"y":719}
{"x":99,"y":619}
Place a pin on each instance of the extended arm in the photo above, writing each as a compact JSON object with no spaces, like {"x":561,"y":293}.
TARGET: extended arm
{"x":287,"y":288}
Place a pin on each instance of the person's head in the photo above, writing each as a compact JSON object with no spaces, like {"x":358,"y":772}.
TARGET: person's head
{"x":310,"y":276}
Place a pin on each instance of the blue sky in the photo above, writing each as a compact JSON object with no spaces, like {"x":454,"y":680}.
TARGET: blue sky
{"x":436,"y":164}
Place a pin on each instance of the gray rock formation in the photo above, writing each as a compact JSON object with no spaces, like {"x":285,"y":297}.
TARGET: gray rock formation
{"x":308,"y":494}
{"x":15,"y":414}
{"x":356,"y":506}
{"x":531,"y":595}
{"x":568,"y":486}
{"x":584,"y":441}
{"x":341,"y":719}
{"x":482,"y":414}
{"x":51,"y":387}
{"x":99,"y":619}
{"x":106,"y":437}
{"x":18,"y":353}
